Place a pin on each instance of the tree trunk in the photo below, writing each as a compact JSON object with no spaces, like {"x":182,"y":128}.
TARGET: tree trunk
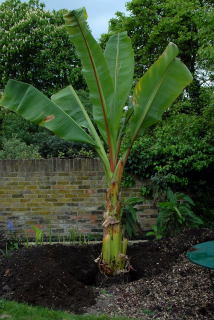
{"x":113,"y":260}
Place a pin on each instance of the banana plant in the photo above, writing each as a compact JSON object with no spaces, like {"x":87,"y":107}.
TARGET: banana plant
{"x":118,"y":116}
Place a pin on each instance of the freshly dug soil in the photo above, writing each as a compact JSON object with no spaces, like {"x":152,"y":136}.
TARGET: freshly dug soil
{"x":163,"y":283}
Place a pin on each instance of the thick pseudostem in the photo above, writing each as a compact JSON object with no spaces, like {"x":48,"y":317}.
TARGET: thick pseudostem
{"x":113,"y":260}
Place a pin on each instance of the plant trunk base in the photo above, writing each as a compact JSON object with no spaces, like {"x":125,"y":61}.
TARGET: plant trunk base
{"x":104,"y":281}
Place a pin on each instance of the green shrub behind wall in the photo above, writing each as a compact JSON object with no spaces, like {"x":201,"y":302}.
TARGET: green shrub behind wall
{"x":179,"y":153}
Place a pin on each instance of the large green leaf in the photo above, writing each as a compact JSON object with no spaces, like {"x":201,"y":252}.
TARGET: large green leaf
{"x":95,"y":69}
{"x":120,"y":59}
{"x":33,"y":105}
{"x":157,"y":90}
{"x":69,"y":101}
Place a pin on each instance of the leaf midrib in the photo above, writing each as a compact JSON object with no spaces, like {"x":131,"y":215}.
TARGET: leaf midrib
{"x":103,"y":104}
{"x":57,"y":107}
{"x":151,"y":99}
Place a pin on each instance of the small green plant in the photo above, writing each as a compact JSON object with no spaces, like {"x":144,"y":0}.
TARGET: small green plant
{"x":83,"y":239}
{"x":105,"y":292}
{"x":26,"y":242}
{"x":176,"y":214}
{"x":73,"y":235}
{"x":130,"y":221}
{"x":11,"y":240}
{"x":59,"y":238}
{"x":61,"y":154}
{"x":9,"y":249}
{"x":155,"y":232}
{"x":50,"y":235}
{"x":82,"y":153}
{"x":148,"y":312}
{"x":39,"y":235}
{"x":128,"y":181}
{"x":76,"y":236}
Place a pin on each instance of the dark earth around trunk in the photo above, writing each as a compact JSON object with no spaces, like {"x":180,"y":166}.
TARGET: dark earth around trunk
{"x":162,"y":285}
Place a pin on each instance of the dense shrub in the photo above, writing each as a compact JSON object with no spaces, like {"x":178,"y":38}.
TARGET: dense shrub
{"x":179,"y":153}
{"x":17,"y":149}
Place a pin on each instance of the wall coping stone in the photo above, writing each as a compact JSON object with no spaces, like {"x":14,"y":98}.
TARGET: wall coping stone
{"x":25,"y":167}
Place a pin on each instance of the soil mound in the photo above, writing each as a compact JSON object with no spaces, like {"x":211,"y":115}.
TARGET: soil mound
{"x":64,"y":277}
{"x":53,"y":276}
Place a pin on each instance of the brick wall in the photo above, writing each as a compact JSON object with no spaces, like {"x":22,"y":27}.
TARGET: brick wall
{"x":57,"y":194}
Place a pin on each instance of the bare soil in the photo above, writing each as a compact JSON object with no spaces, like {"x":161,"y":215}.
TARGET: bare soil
{"x":163,"y":283}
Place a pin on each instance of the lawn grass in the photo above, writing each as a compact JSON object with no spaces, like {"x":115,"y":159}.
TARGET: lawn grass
{"x":10,"y":310}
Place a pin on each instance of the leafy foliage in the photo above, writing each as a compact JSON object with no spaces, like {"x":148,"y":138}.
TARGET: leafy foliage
{"x":130,"y":221}
{"x":39,"y":235}
{"x":179,"y":146}
{"x":16,"y":149}
{"x":176,"y":214}
{"x":151,"y":24}
{"x":48,"y":145}
{"x":156,"y":233}
{"x":30,"y":38}
{"x":204,"y":20}
{"x":179,"y":153}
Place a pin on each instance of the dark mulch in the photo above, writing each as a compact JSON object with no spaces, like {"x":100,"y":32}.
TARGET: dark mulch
{"x":64,"y":277}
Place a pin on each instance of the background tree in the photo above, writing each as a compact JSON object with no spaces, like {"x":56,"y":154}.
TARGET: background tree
{"x":204,"y":20}
{"x":36,"y":48}
{"x":151,"y":24}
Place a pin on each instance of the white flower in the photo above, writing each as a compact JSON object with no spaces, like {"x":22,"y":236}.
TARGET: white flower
{"x":126,"y":108}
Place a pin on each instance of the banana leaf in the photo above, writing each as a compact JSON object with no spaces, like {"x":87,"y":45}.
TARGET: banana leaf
{"x":69,"y":101}
{"x":157,"y":89}
{"x":120,"y":59}
{"x":33,"y":105}
{"x":95,"y":69}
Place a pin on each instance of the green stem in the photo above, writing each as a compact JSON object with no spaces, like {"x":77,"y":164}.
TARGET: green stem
{"x":114,"y":260}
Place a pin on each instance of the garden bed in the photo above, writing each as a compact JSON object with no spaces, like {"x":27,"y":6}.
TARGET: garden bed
{"x":163,"y":283}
